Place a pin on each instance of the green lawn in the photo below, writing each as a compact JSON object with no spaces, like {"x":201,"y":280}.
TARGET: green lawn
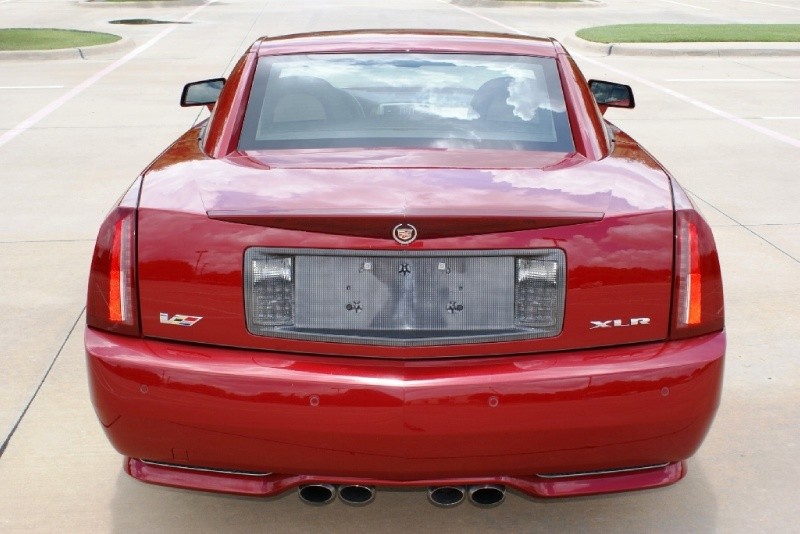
{"x":50,"y":39}
{"x":691,"y":33}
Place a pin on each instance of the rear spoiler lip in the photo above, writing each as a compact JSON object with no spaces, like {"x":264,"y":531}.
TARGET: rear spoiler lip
{"x":429,"y":223}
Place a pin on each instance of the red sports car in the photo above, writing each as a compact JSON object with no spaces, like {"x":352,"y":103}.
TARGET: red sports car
{"x":410,"y":259}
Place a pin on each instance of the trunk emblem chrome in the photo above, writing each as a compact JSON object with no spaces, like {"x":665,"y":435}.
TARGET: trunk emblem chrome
{"x":177,"y":319}
{"x":404,"y":234}
{"x":615,"y":323}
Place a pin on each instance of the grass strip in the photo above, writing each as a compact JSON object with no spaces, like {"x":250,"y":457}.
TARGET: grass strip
{"x":51,"y":38}
{"x":692,"y":33}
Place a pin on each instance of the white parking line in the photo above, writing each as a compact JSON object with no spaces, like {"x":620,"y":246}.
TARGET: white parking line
{"x":686,"y":5}
{"x":487,"y":19}
{"x":702,"y":105}
{"x":689,"y":100}
{"x":733,"y":80}
{"x":771,"y":5}
{"x":81,"y":87}
{"x":11,"y":87}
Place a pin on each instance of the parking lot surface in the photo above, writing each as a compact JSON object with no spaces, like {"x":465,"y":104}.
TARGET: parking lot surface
{"x":75,"y":132}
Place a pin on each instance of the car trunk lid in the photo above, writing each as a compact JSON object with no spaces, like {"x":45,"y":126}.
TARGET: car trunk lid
{"x":612,"y":221}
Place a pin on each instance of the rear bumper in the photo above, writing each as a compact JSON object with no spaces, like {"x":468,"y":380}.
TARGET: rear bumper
{"x":265,"y":485}
{"x":295,"y":419}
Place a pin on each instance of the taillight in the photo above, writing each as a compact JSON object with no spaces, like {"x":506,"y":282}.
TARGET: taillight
{"x":697,"y":306}
{"x":271,"y":300}
{"x":538,"y":295}
{"x":111,"y":302}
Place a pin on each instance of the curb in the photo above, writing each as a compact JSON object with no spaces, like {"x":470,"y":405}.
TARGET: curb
{"x":84,"y":52}
{"x":532,"y":3}
{"x":684,"y":49}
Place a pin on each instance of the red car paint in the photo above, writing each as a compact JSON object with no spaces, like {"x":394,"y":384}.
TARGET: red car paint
{"x":188,"y":405}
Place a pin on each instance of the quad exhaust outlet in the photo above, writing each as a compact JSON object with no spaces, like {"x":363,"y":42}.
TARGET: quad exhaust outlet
{"x":447,"y":496}
{"x":317,"y":494}
{"x":484,"y":496}
{"x":356,"y":495}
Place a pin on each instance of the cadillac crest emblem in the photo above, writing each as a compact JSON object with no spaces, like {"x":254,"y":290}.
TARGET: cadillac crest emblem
{"x":405,"y":234}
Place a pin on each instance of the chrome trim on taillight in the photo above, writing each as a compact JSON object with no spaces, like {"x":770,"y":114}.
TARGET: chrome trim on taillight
{"x":121,"y":277}
{"x":689,"y":277}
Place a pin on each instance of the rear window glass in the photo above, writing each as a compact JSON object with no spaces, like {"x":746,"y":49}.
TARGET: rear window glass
{"x":406,"y":101}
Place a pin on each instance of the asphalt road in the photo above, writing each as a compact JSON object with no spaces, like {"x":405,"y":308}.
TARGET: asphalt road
{"x":75,"y":132}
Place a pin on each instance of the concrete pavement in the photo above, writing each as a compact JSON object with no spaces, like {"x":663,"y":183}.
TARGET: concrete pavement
{"x":727,"y":127}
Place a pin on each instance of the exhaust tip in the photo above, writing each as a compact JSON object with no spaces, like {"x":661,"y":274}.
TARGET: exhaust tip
{"x":487,"y":495}
{"x":446,"y":496}
{"x":317,"y":494}
{"x":356,"y":495}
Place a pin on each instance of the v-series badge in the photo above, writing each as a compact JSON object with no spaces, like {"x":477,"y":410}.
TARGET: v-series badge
{"x":179,"y":320}
{"x":614,"y":323}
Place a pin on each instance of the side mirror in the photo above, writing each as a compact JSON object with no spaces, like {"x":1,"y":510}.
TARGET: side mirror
{"x":202,"y":93}
{"x":610,"y":94}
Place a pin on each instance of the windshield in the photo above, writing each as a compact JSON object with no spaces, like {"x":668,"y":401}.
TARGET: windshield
{"x":406,"y":100}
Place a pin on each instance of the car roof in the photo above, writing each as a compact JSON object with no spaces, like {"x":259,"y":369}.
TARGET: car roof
{"x":406,"y":41}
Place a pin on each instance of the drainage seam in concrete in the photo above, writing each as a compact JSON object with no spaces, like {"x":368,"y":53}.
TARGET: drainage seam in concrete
{"x":41,"y":383}
{"x":748,"y":227}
